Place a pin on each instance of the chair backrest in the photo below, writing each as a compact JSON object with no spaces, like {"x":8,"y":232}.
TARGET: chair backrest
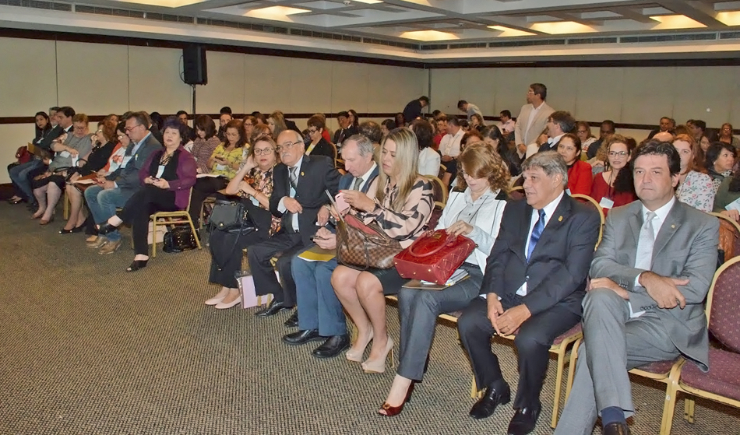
{"x":723,"y":301}
{"x":588,"y":200}
{"x":440,"y":190}
{"x":434,"y":218}
{"x":336,"y":154}
{"x":517,"y":193}
{"x":442,"y":170}
{"x":729,"y":236}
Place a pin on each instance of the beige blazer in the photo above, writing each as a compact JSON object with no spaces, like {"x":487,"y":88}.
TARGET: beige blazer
{"x":538,"y":124}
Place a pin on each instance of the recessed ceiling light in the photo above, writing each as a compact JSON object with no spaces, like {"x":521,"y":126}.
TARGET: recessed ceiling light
{"x":729,"y":18}
{"x":429,"y":35}
{"x":275,"y":12}
{"x":164,"y":3}
{"x":561,"y":27}
{"x":370,"y":2}
{"x":675,"y":22}
{"x":506,"y":31}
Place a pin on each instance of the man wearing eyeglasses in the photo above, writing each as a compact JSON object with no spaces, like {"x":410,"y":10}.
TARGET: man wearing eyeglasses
{"x":115,"y":189}
{"x":298,"y":197}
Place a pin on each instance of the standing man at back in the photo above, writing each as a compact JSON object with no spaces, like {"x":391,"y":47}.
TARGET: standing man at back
{"x":413,"y":109}
{"x":533,"y":116}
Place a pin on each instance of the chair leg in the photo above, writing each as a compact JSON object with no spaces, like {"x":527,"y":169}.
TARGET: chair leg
{"x":154,"y":238}
{"x":558,"y":381}
{"x":572,"y":367}
{"x":195,"y":234}
{"x":688,"y":414}
{"x":65,"y":206}
{"x":669,"y":408}
{"x":474,"y":393}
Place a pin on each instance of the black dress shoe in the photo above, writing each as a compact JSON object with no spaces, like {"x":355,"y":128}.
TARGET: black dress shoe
{"x":272,"y":309}
{"x":292,"y":321}
{"x":302,"y":337}
{"x":524,"y":421}
{"x":493,"y":397}
{"x":106,"y":228}
{"x":616,"y":429}
{"x":332,"y":347}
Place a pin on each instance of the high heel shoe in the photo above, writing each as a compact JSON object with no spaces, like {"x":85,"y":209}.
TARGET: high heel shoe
{"x":356,"y":355}
{"x":106,"y":228}
{"x":136,"y":265}
{"x":73,"y":230}
{"x":378,"y":365}
{"x":390,"y":411}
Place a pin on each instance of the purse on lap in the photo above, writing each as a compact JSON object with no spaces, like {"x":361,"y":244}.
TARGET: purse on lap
{"x":228,"y":216}
{"x":434,"y":256}
{"x":364,"y":245}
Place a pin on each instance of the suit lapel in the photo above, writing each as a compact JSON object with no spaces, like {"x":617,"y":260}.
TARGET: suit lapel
{"x":668,"y":229}
{"x":557,"y":220}
{"x":635,"y":223}
{"x":524,"y":224}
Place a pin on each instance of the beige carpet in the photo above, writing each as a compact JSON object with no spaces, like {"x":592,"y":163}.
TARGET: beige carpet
{"x":87,"y":348}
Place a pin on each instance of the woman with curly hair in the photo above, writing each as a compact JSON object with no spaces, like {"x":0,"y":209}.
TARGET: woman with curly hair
{"x":475,"y":212}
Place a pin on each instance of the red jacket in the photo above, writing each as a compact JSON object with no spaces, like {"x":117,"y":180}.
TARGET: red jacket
{"x":580,"y":178}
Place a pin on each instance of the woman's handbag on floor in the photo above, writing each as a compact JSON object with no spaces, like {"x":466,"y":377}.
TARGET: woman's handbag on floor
{"x":434,"y":256}
{"x":364,"y":245}
{"x":249,"y":295}
{"x":178,"y":239}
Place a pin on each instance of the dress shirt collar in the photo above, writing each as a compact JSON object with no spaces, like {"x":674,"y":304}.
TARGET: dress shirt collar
{"x":366,"y":176}
{"x":661,"y":214}
{"x":549,"y":208}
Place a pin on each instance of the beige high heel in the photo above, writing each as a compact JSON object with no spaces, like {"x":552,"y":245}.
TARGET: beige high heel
{"x":356,"y":356}
{"x":378,"y":365}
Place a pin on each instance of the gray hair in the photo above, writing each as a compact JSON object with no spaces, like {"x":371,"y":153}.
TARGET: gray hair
{"x":551,"y":162}
{"x":364,"y":144}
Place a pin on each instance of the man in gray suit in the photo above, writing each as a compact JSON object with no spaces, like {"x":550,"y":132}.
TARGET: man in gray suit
{"x":532,"y":118}
{"x":650,"y":276}
{"x":114,"y":190}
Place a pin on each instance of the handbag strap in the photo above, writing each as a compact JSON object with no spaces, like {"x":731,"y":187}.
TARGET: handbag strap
{"x":448,"y":241}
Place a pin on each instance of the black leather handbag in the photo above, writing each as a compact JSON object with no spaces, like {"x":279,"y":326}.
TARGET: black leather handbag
{"x":178,"y":239}
{"x":228,"y":216}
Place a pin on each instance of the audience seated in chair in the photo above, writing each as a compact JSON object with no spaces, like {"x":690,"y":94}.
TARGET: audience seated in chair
{"x":649,"y":278}
{"x":320,"y":315}
{"x":579,"y":172}
{"x":449,"y":148}
{"x":474,"y":211}
{"x":720,"y":159}
{"x":429,"y":160}
{"x":104,"y":145}
{"x":298,"y":198}
{"x":114,"y":190}
{"x":534,"y":282}
{"x":318,"y":145}
{"x":206,"y":141}
{"x":43,"y":127}
{"x":68,"y":150}
{"x":694,"y":187}
{"x":614,"y":187}
{"x":403,"y":204}
{"x":166,"y":178}
{"x":253,"y":184}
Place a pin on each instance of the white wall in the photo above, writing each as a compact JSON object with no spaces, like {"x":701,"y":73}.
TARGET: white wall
{"x":629,"y":95}
{"x":99,"y":79}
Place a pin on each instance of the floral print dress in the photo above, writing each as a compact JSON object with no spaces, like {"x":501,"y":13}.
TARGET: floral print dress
{"x":697,"y":190}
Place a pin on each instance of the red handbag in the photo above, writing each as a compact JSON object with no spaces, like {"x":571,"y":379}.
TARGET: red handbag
{"x":433,"y":257}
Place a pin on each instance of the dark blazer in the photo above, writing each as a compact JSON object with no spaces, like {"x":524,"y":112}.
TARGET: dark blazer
{"x":323,"y":148}
{"x":344,"y":133}
{"x":291,"y":126}
{"x":45,"y":142}
{"x":128,"y":177}
{"x":557,"y":270}
{"x":316,"y":175}
{"x":412,"y":111}
{"x":686,"y":246}
{"x":348,"y":179}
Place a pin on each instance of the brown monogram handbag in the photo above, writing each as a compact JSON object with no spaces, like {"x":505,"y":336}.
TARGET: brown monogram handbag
{"x":364,"y":246}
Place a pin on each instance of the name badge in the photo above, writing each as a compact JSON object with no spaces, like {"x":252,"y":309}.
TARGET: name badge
{"x":64,"y":154}
{"x":220,"y":167}
{"x":160,"y":171}
{"x":606,"y":203}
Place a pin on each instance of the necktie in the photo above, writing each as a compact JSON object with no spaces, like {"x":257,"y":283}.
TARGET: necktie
{"x":293,"y":177}
{"x":644,"y":257}
{"x":358,"y":182}
{"x":539,"y":226}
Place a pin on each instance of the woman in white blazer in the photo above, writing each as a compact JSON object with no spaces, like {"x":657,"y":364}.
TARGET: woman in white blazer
{"x":473,"y":210}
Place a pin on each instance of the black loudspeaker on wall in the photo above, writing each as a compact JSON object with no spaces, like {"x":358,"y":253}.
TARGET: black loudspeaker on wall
{"x":194,"y":61}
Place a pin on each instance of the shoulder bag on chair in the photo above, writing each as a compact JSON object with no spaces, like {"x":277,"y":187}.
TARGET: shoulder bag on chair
{"x":364,"y":246}
{"x":434,"y":256}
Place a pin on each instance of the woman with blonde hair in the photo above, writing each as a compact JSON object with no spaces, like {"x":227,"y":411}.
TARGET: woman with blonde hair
{"x":474,"y":209}
{"x":276,"y":122}
{"x":402,"y":207}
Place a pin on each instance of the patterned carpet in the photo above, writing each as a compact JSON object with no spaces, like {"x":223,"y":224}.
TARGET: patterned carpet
{"x":87,"y":348}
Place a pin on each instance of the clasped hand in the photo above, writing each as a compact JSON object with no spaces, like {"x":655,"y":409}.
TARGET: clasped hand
{"x":506,"y":322}
{"x":664,"y":290}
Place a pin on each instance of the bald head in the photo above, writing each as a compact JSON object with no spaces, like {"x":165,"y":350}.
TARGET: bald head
{"x":663,"y":136}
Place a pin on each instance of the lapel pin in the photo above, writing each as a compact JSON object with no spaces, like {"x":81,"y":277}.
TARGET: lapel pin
{"x":302,"y":174}
{"x":560,"y":219}
{"x":673,"y":226}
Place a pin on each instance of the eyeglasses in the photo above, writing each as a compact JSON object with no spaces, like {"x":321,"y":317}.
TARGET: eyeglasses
{"x":312,"y":131}
{"x":582,"y":131}
{"x":287,"y":145}
{"x":617,"y":153}
{"x":129,"y":129}
{"x":265,"y":151}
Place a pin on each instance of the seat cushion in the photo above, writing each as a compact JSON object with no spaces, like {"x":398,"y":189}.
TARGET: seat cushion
{"x":658,"y":367}
{"x":723,"y":377}
{"x":572,"y":331}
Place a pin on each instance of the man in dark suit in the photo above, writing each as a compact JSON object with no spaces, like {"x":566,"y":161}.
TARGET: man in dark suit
{"x":320,"y":314}
{"x":298,"y":196}
{"x":346,"y":129}
{"x":114,"y":190}
{"x":558,"y":124}
{"x":649,"y":279}
{"x":413,"y":109}
{"x":534,"y":282}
